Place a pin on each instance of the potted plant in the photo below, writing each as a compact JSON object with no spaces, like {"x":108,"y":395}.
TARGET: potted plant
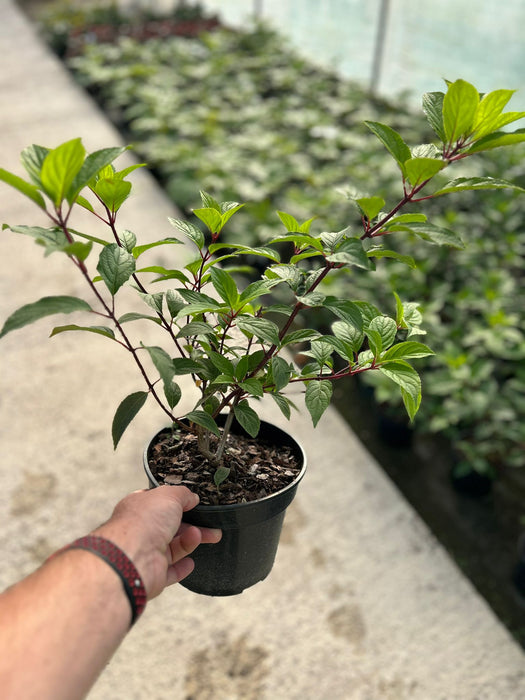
{"x":234,"y":343}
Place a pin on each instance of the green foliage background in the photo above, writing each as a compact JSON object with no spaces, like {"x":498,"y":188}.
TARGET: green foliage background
{"x":241,"y":115}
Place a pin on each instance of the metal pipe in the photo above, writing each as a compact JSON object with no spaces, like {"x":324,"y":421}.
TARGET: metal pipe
{"x":257,"y":8}
{"x":379,"y":46}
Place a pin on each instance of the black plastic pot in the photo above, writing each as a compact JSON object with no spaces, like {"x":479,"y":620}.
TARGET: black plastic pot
{"x":250,"y":531}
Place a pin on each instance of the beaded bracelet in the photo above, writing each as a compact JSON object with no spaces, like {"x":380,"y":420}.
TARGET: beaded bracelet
{"x":121,"y":564}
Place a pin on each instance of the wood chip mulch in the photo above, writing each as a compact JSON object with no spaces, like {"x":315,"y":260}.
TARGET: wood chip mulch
{"x":257,"y":469}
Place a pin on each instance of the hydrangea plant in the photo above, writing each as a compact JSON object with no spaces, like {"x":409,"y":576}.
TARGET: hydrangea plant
{"x":235,"y":343}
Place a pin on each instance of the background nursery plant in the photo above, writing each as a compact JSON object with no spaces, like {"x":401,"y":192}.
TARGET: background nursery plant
{"x":235,"y":342}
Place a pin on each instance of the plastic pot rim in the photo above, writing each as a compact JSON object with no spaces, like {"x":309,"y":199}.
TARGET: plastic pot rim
{"x":232,"y":506}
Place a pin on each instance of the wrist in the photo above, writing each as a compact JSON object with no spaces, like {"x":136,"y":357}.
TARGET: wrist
{"x":116,"y":559}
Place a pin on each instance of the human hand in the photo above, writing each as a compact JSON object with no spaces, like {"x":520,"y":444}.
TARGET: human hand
{"x":147,"y":526}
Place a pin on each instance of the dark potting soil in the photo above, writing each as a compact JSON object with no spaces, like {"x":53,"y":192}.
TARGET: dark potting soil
{"x":257,"y":469}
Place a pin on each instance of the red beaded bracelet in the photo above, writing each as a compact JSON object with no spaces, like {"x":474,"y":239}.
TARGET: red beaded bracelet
{"x":120,"y":563}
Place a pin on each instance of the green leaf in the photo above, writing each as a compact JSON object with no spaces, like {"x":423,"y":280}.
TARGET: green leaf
{"x":162,"y":361}
{"x":222,"y":363}
{"x":342,"y":348}
{"x":350,"y":252}
{"x":232,"y":208}
{"x":93,"y":239}
{"x":26,"y":188}
{"x":113,"y":192}
{"x":400,"y":311}
{"x":488,"y":114}
{"x":302,"y":256}
{"x":394,"y":255}
{"x":459,"y":110}
{"x":281,"y":372}
{"x":133,"y":316}
{"x":404,"y":376}
{"x":367,"y":310}
{"x":225,"y":286}
{"x":418,"y":170}
{"x":239,"y":249}
{"x":498,"y":139}
{"x":433,"y":234}
{"x":221,"y":474}
{"x":312,"y":299}
{"x":92,"y":165}
{"x":78,"y":249}
{"x":154,"y":301}
{"x":408,"y":219}
{"x":183,"y":365}
{"x":305,"y":226}
{"x":405,"y":350}
{"x":32,"y":159}
{"x":290,"y":222}
{"x":173,"y":393}
{"x":331,"y":239}
{"x":411,"y":403}
{"x":101,"y":330}
{"x":190,"y":230}
{"x":349,"y":334}
{"x":121,"y":174}
{"x":204,"y":420}
{"x":52,"y":239}
{"x":261,"y":328}
{"x":317,"y":398}
{"x":253,"y":387}
{"x":209,"y":202}
{"x":300,"y":336}
{"x":85,"y":203}
{"x":164,"y":274}
{"x":321,"y":351}
{"x":348,"y":311}
{"x":433,"y":108}
{"x":290,"y":274}
{"x":476,"y":183}
{"x":174,"y":302}
{"x":392,"y":142}
{"x":300,"y":241}
{"x":46,"y":306}
{"x":283,"y":403}
{"x":60,"y":167}
{"x":195,"y":328}
{"x":193,"y":297}
{"x":210,"y":217}
{"x":138,"y":250}
{"x":115,"y":266}
{"x":255,"y":290}
{"x":370,"y":206}
{"x":375,"y":342}
{"x":247,"y":418}
{"x":387,"y":329}
{"x":127,"y":410}
{"x":128,"y":240}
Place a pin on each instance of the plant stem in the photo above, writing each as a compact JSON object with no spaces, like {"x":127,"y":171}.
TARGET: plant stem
{"x":110,"y":313}
{"x":111,"y":223}
{"x":225,"y":433}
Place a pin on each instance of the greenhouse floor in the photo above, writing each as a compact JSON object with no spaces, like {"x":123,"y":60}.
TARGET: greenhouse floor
{"x":363,"y":602}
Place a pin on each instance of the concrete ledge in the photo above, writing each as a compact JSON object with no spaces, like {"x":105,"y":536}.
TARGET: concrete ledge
{"x":363,"y":603}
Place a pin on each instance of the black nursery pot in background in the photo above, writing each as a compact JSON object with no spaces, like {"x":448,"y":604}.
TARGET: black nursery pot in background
{"x":250,"y":531}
